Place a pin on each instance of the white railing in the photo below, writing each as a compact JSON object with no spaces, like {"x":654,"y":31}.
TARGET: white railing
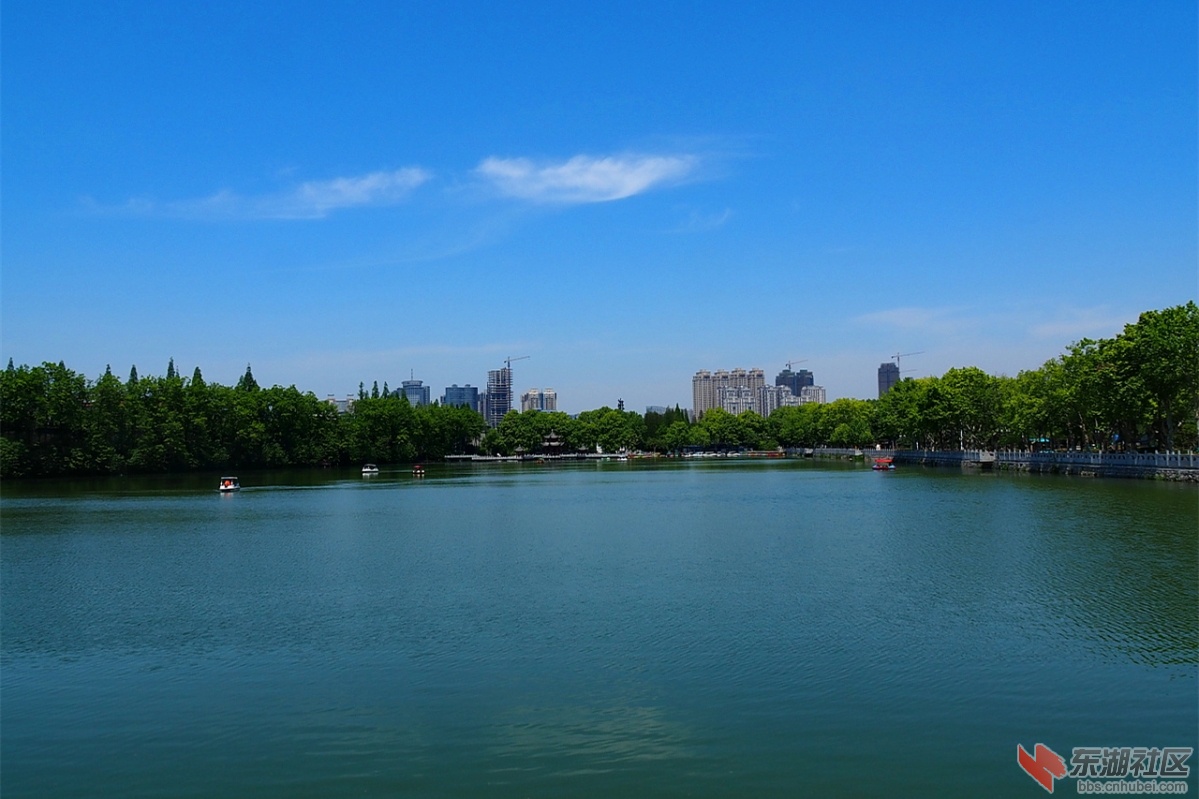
{"x":1117,"y":460}
{"x":1154,"y":460}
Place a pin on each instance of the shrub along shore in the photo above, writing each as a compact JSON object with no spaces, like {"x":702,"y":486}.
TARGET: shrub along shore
{"x":1134,"y":392}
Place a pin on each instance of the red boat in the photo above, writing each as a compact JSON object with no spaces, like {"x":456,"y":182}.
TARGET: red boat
{"x":883,"y":464}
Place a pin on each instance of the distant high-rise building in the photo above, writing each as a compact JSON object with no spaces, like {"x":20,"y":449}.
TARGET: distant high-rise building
{"x":771,"y":398}
{"x":416,"y":392}
{"x":794,"y":380}
{"x":739,"y":399}
{"x":888,"y":375}
{"x":703,"y":394}
{"x":812,"y":394}
{"x":499,"y":395}
{"x":457,"y":396}
{"x":706,"y":387}
{"x":658,"y":409}
{"x":537,"y":400}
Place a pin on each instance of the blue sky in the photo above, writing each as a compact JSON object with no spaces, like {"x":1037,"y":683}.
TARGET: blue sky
{"x":346,"y":192}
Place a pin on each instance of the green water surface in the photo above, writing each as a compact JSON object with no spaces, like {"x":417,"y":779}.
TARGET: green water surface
{"x":613,"y":629}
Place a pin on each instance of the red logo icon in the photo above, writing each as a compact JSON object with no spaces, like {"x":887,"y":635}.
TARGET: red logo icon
{"x":1044,"y":767}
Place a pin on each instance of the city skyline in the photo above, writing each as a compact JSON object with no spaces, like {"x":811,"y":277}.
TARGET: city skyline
{"x":737,"y":390}
{"x":343,"y":195}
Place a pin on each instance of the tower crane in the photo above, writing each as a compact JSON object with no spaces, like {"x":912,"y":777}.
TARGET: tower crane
{"x":509,"y":360}
{"x":899,"y":355}
{"x":803,"y":360}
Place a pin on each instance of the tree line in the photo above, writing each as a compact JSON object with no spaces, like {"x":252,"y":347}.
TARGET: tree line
{"x":1137,"y":390}
{"x":54,"y":421}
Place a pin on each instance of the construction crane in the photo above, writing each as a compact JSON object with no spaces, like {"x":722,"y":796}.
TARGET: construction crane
{"x":509,"y":361}
{"x":804,"y":360}
{"x":899,"y":355}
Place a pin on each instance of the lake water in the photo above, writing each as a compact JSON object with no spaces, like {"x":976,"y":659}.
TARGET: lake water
{"x":619,"y":629}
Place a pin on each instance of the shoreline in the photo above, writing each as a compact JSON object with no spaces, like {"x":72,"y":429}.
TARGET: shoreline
{"x":1174,"y":466}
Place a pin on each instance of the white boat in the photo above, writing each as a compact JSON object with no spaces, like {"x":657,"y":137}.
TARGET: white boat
{"x":369,"y":468}
{"x":228,"y":484}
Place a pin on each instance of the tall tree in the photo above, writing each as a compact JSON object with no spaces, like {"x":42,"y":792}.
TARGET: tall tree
{"x":247,"y":381}
{"x":1164,"y":353}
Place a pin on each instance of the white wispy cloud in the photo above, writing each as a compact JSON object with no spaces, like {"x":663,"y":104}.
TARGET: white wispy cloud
{"x":340,"y":370}
{"x":1063,"y":323}
{"x":699,"y":221}
{"x":314,"y":199}
{"x":1072,"y":324}
{"x":584,"y":178}
{"x":930,"y":320}
{"x":376,"y":188}
{"x":1004,"y":338}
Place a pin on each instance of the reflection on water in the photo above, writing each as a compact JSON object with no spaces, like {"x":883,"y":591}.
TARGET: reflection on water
{"x":600,"y":629}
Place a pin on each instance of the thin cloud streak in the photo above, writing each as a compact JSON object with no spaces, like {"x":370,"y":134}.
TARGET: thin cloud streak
{"x":314,"y":199}
{"x":1065,"y":324}
{"x":938,"y":320}
{"x":1073,"y":324}
{"x":698,"y":222}
{"x":387,"y":359}
{"x":376,"y":188}
{"x":583,"y":178}
{"x":437,"y":364}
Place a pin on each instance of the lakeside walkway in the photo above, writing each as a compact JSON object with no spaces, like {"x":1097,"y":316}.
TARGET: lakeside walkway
{"x":1182,"y":466}
{"x":1178,"y":466}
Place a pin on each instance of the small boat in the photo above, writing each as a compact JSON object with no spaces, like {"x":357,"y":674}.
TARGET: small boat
{"x":418,"y":470}
{"x":883,"y":464}
{"x":229,"y":484}
{"x":369,"y":469}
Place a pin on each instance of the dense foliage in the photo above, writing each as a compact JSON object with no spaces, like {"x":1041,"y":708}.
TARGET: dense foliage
{"x":55,"y":421}
{"x":1139,"y":390}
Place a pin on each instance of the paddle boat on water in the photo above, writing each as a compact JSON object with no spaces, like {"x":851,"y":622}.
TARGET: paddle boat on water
{"x":369,"y":469}
{"x":883,"y":464}
{"x":228,"y":484}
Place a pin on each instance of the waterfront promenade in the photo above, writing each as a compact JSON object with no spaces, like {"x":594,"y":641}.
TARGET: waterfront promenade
{"x":1182,"y":466}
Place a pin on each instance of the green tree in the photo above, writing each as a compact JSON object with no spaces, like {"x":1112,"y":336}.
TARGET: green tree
{"x":676,"y":437}
{"x":724,"y":430}
{"x":1163,"y":353}
{"x":247,"y":381}
{"x":797,"y":426}
{"x":846,"y":423}
{"x":161,"y":441}
{"x":897,"y":414}
{"x":108,"y":434}
{"x":755,"y":432}
{"x":381,"y":430}
{"x":607,"y":429}
{"x":973,"y":404}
